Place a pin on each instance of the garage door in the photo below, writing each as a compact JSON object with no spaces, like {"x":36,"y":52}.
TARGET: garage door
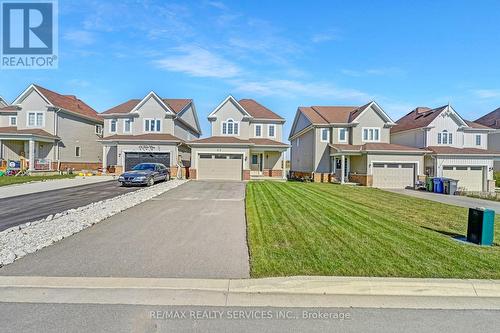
{"x":470,"y":178}
{"x":220,"y":166}
{"x":132,"y":159}
{"x":393,"y":175}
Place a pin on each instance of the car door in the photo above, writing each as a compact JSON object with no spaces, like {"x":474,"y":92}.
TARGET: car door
{"x":157,"y":173}
{"x":163,"y":172}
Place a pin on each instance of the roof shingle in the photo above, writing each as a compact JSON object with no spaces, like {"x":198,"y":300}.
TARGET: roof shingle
{"x":31,"y":131}
{"x":491,"y":119}
{"x":258,"y":110}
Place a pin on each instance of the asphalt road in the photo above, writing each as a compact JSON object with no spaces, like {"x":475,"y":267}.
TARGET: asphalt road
{"x":31,"y":207}
{"x":32,"y":317}
{"x":196,"y":230}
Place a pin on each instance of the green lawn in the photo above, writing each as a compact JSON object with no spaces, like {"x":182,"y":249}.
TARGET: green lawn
{"x":4,"y":180}
{"x":497,"y":178}
{"x":323,"y":229}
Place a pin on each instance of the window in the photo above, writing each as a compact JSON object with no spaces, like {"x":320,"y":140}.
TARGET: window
{"x":13,"y":121}
{"x":112,"y":126}
{"x":78,"y":152}
{"x":127,"y":125}
{"x":98,"y":129}
{"x":36,"y":119}
{"x":152,"y":125}
{"x":445,"y":138}
{"x":271,"y":131}
{"x":255,"y":159}
{"x":230,"y":127}
{"x":325,"y":134}
{"x":478,"y":140}
{"x":258,"y":130}
{"x":371,"y":134}
{"x":342,"y":134}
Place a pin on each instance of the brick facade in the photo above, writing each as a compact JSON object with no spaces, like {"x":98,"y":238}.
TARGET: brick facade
{"x":365,"y":180}
{"x":272,"y":173}
{"x":77,"y":166}
{"x":192,"y":174}
{"x":246,"y":174}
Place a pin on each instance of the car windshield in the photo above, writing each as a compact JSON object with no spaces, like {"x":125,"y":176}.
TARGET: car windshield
{"x":144,"y":166}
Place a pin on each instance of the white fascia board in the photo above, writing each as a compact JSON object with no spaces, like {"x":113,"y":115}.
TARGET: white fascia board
{"x":233,"y":100}
{"x":157,"y":98}
{"x":26,"y":92}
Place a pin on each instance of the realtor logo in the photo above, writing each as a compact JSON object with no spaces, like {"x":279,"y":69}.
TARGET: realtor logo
{"x":29,"y":34}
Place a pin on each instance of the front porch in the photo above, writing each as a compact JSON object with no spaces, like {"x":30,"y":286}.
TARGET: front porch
{"x":27,"y":153}
{"x":267,"y":164}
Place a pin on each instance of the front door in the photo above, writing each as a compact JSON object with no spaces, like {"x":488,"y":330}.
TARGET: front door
{"x":257,"y":165}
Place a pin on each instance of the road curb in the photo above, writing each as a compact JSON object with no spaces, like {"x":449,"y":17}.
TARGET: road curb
{"x":278,"y":292}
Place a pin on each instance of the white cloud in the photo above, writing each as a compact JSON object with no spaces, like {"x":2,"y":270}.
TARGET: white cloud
{"x":290,"y":88}
{"x":384,"y":71}
{"x":217,"y":4}
{"x":82,"y":37}
{"x":324,"y":37}
{"x":487,"y":93}
{"x":196,"y":61}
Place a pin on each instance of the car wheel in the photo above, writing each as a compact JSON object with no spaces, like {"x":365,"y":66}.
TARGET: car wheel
{"x":151,"y":182}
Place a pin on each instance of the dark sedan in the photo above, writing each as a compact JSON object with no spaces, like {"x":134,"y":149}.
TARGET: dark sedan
{"x":145,"y":174}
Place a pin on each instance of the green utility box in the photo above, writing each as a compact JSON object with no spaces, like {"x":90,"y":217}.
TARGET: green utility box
{"x":481,"y":226}
{"x":429,"y":184}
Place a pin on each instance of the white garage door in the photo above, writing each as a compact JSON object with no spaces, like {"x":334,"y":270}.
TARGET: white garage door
{"x":393,"y":175}
{"x":470,"y":178}
{"x":220,"y":166}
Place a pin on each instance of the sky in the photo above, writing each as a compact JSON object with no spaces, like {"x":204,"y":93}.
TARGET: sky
{"x":283,"y":54}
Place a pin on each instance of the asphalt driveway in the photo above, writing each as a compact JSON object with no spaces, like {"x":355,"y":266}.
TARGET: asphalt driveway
{"x":196,"y":230}
{"x":31,"y":207}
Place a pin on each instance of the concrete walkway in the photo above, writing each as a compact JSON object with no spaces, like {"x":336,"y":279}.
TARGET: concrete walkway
{"x":277,"y":292}
{"x":49,"y":185}
{"x":454,"y":200}
{"x":196,"y":230}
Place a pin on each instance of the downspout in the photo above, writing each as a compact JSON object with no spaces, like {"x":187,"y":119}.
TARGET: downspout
{"x":56,"y":130}
{"x":179,"y":167}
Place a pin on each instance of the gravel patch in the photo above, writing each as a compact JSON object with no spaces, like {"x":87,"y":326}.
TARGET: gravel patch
{"x":20,"y":240}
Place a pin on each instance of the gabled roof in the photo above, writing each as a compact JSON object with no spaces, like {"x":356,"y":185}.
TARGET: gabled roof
{"x":174,"y":104}
{"x":339,"y":114}
{"x":422,"y":117}
{"x":235,"y":103}
{"x":3,"y":102}
{"x":491,"y":119}
{"x":68,"y":103}
{"x":258,"y":110}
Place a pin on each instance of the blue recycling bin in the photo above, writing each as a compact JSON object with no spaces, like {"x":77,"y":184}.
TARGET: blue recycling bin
{"x":438,"y":185}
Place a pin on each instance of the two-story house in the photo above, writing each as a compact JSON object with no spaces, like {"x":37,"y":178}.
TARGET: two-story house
{"x":245,"y":142}
{"x":351,"y":144}
{"x":458,"y":148}
{"x":492,"y":120}
{"x":3,"y":102}
{"x":50,"y":131}
{"x":152,"y":129}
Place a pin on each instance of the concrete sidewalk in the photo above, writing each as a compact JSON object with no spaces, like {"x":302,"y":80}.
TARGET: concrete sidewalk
{"x":49,"y":185}
{"x":277,"y":292}
{"x":455,"y":200}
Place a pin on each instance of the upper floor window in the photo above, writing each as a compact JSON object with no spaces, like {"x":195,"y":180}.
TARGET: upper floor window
{"x":152,"y":125}
{"x":98,"y":129}
{"x":13,"y":121}
{"x":478,"y":139}
{"x":112,"y":125}
{"x":258,"y":130}
{"x":78,"y":151}
{"x":371,"y":134}
{"x":271,"y":131}
{"x":230,"y":127}
{"x":36,"y":119}
{"x":127,"y":125}
{"x":445,"y":138}
{"x":325,"y":134}
{"x":342,"y":134}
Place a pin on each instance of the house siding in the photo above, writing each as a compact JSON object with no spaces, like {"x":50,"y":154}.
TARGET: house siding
{"x":77,"y":132}
{"x":227,"y":111}
{"x":369,"y":118}
{"x":302,"y":152}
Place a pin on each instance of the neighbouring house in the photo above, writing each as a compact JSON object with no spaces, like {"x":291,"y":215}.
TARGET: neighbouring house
{"x":458,"y":147}
{"x":152,"y":129}
{"x":50,"y":131}
{"x":351,"y":144}
{"x":3,"y":102}
{"x":245,"y":143}
{"x":492,"y":120}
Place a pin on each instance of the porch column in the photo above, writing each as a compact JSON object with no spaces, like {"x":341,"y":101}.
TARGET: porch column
{"x":334,"y":161}
{"x":284,"y":164}
{"x":31,"y":156}
{"x":342,"y":171}
{"x":104,"y":159}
